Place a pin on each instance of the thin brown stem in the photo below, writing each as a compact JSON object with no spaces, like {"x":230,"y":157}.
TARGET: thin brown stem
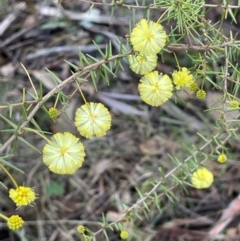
{"x":57,"y":89}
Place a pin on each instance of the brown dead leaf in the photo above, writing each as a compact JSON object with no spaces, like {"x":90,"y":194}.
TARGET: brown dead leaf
{"x":99,"y":168}
{"x":152,"y":146}
{"x":29,"y":21}
{"x":232,"y":231}
{"x":8,"y":70}
{"x":113,"y":216}
{"x":30,"y":6}
{"x":124,"y":141}
{"x":126,"y":197}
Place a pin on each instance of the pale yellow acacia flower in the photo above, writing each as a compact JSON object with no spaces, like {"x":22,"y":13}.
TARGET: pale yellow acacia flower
{"x":202,"y":178}
{"x":182,"y":78}
{"x":148,"y":37}
{"x":155,"y":89}
{"x":22,"y":196}
{"x":142,"y":64}
{"x":64,"y":153}
{"x":93,"y":120}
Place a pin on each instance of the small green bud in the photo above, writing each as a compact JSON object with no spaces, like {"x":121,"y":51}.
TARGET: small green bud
{"x":234,"y":104}
{"x":201,"y":94}
{"x":81,"y":229}
{"x":53,"y":113}
{"x":193,"y":86}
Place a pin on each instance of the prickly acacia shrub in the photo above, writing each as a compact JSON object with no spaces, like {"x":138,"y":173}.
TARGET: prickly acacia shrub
{"x":172,"y":69}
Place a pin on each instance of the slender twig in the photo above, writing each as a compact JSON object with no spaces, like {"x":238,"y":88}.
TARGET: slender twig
{"x":151,"y":6}
{"x":18,"y":104}
{"x":136,"y":205}
{"x":225,"y":79}
{"x":57,"y":89}
{"x":171,"y":47}
{"x":202,"y":48}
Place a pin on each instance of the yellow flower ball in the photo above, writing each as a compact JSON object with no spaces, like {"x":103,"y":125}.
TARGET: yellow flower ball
{"x":142,"y":64}
{"x":53,"y":113}
{"x":81,"y":229}
{"x":201,"y":94}
{"x":124,"y":234}
{"x":15,"y":222}
{"x":64,"y":154}
{"x":93,"y":120}
{"x":202,"y":178}
{"x":148,"y":37}
{"x":182,"y":78}
{"x":155,"y":89}
{"x":22,"y":196}
{"x":222,"y":158}
{"x":193,"y":86}
{"x":234,"y":104}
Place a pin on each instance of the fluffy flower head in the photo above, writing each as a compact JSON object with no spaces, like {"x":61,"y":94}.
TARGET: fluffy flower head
{"x":22,"y":196}
{"x":155,"y":89}
{"x":182,"y":78}
{"x":64,"y":154}
{"x":222,"y":158}
{"x":148,"y":37}
{"x":142,"y":64}
{"x":15,"y":222}
{"x":202,"y":178}
{"x":93,"y":120}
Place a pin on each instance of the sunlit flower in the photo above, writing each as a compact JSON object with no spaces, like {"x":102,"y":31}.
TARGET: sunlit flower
{"x":148,"y":37}
{"x":201,"y":94}
{"x":202,"y":178}
{"x":124,"y":234}
{"x":155,"y":89}
{"x":93,"y":120}
{"x":64,"y":154}
{"x":142,"y":64}
{"x":22,"y":196}
{"x":15,"y":222}
{"x":234,"y":104}
{"x":182,"y":78}
{"x":53,"y":113}
{"x":222,"y":158}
